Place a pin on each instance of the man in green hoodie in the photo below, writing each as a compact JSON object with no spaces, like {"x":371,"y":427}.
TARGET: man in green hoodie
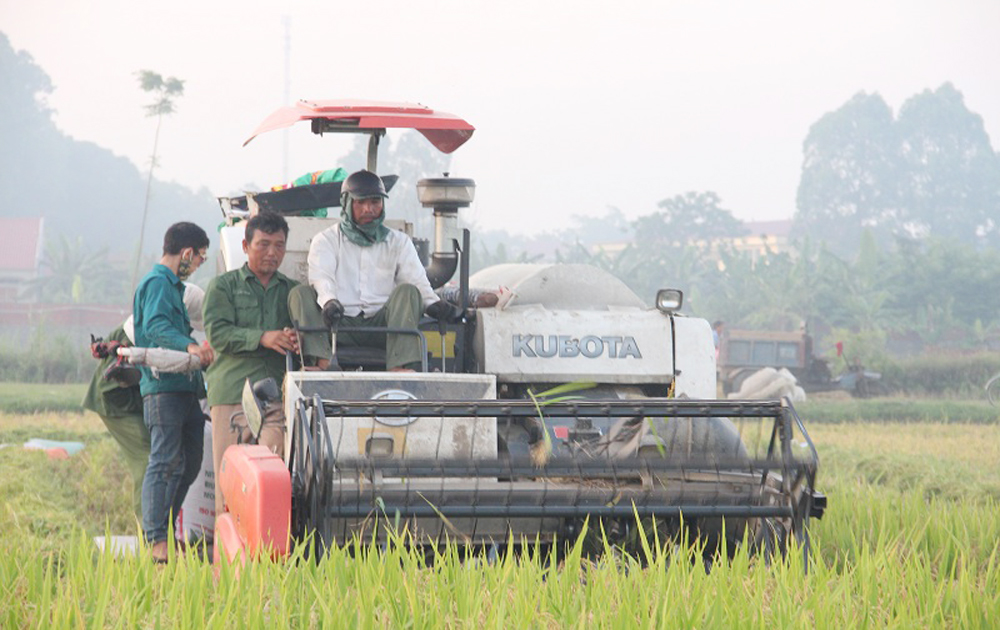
{"x":120,"y":407}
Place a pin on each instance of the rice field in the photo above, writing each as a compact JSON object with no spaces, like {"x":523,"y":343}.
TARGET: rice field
{"x":911,"y":538}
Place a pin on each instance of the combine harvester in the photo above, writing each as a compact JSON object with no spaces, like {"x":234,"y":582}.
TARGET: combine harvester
{"x":471,"y":449}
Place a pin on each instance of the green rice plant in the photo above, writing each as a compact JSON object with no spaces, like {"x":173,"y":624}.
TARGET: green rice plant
{"x":891,"y":569}
{"x":889,"y":552}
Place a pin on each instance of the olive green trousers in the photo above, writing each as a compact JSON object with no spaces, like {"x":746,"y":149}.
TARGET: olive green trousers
{"x":132,"y":436}
{"x":402,"y":310}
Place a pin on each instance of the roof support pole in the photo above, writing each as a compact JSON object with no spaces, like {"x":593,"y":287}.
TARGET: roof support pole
{"x":373,"y":151}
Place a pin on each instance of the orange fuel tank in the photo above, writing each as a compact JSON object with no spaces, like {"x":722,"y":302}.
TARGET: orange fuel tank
{"x":257,"y":490}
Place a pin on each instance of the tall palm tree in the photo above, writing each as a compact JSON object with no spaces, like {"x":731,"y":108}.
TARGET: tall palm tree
{"x":164,"y":91}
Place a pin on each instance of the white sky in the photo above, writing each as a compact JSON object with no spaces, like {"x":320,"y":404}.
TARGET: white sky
{"x":578,"y":105}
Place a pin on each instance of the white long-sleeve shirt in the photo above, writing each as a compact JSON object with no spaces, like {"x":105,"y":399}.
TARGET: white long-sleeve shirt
{"x":363,"y":277}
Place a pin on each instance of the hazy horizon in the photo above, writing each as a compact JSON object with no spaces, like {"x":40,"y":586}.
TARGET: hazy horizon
{"x":578,"y":106}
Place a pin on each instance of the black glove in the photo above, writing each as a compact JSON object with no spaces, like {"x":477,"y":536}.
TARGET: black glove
{"x":444,"y":311}
{"x":123,"y":373}
{"x":333,"y":310}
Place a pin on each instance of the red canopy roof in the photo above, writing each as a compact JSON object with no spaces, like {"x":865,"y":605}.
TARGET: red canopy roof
{"x":445,"y":131}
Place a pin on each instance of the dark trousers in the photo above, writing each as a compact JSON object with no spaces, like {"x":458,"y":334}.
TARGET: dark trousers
{"x":177,"y":438}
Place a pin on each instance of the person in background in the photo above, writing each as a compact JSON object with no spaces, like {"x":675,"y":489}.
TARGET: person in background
{"x":171,"y":410}
{"x":717,"y":327}
{"x":119,"y":404}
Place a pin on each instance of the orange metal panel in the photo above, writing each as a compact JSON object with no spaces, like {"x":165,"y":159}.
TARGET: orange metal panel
{"x":228,"y":541}
{"x":258,"y":497}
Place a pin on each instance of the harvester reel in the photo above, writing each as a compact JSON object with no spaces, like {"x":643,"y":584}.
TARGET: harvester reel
{"x":700,"y":475}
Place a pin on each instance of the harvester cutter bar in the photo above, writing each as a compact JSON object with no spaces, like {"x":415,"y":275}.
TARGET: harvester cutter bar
{"x":597,"y":468}
{"x":566,"y":511}
{"x":667,"y":407}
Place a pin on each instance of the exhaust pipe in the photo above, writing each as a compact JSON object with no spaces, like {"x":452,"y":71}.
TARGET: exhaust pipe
{"x":445,"y":195}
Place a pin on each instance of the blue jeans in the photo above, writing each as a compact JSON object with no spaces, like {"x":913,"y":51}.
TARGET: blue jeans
{"x":177,"y":435}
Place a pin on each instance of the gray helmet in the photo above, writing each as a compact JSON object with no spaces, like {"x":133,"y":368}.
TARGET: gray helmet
{"x":363,"y":185}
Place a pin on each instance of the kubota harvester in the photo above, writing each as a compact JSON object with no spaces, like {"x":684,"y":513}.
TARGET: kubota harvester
{"x":567,"y":399}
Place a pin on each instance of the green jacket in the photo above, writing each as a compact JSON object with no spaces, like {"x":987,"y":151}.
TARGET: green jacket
{"x":108,"y":399}
{"x":238,"y":311}
{"x":161,"y":321}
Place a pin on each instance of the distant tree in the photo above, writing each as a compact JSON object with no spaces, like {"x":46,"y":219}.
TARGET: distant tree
{"x":164,"y":92}
{"x":687,"y":218}
{"x":611,"y":227}
{"x":484,"y":255}
{"x":583,"y":237}
{"x":75,"y":273}
{"x":935,"y":283}
{"x":951,"y":181}
{"x":23,"y":91}
{"x":25,"y":121}
{"x":862,"y":294}
{"x":776,"y":292}
{"x":849,"y":175}
{"x":931,"y":171}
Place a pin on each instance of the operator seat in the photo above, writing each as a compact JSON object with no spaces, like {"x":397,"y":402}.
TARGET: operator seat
{"x":367,"y":358}
{"x":362,"y":358}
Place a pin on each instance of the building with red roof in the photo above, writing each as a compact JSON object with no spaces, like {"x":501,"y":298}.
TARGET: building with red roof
{"x":20,"y":256}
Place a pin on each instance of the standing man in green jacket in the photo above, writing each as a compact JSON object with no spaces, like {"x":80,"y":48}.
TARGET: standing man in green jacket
{"x":250,"y":329}
{"x":170,"y":406}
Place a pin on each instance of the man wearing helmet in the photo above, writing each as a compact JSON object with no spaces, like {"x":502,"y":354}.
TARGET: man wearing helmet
{"x":363,"y":274}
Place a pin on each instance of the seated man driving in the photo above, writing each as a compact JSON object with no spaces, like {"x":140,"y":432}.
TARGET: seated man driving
{"x":364,"y":274}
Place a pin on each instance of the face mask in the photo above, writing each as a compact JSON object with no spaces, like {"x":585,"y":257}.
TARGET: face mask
{"x":184,"y":270}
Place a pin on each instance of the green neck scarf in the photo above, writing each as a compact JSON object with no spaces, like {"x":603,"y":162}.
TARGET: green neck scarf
{"x":363,"y":235}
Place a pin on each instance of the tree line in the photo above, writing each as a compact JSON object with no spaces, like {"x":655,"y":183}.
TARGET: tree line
{"x":932,"y":292}
{"x":895,"y":240}
{"x":896,"y":232}
{"x":931,"y":170}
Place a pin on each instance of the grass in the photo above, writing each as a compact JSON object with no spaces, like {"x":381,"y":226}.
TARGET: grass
{"x":821,"y":410}
{"x":41,"y":397}
{"x":954,"y":461}
{"x":911,"y":539}
{"x":46,"y":501}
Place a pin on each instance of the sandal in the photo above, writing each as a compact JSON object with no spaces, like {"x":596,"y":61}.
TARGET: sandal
{"x":159,"y":551}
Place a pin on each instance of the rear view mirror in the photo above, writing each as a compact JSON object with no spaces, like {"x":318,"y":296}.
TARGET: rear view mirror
{"x":256,"y":398}
{"x":253,"y":410}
